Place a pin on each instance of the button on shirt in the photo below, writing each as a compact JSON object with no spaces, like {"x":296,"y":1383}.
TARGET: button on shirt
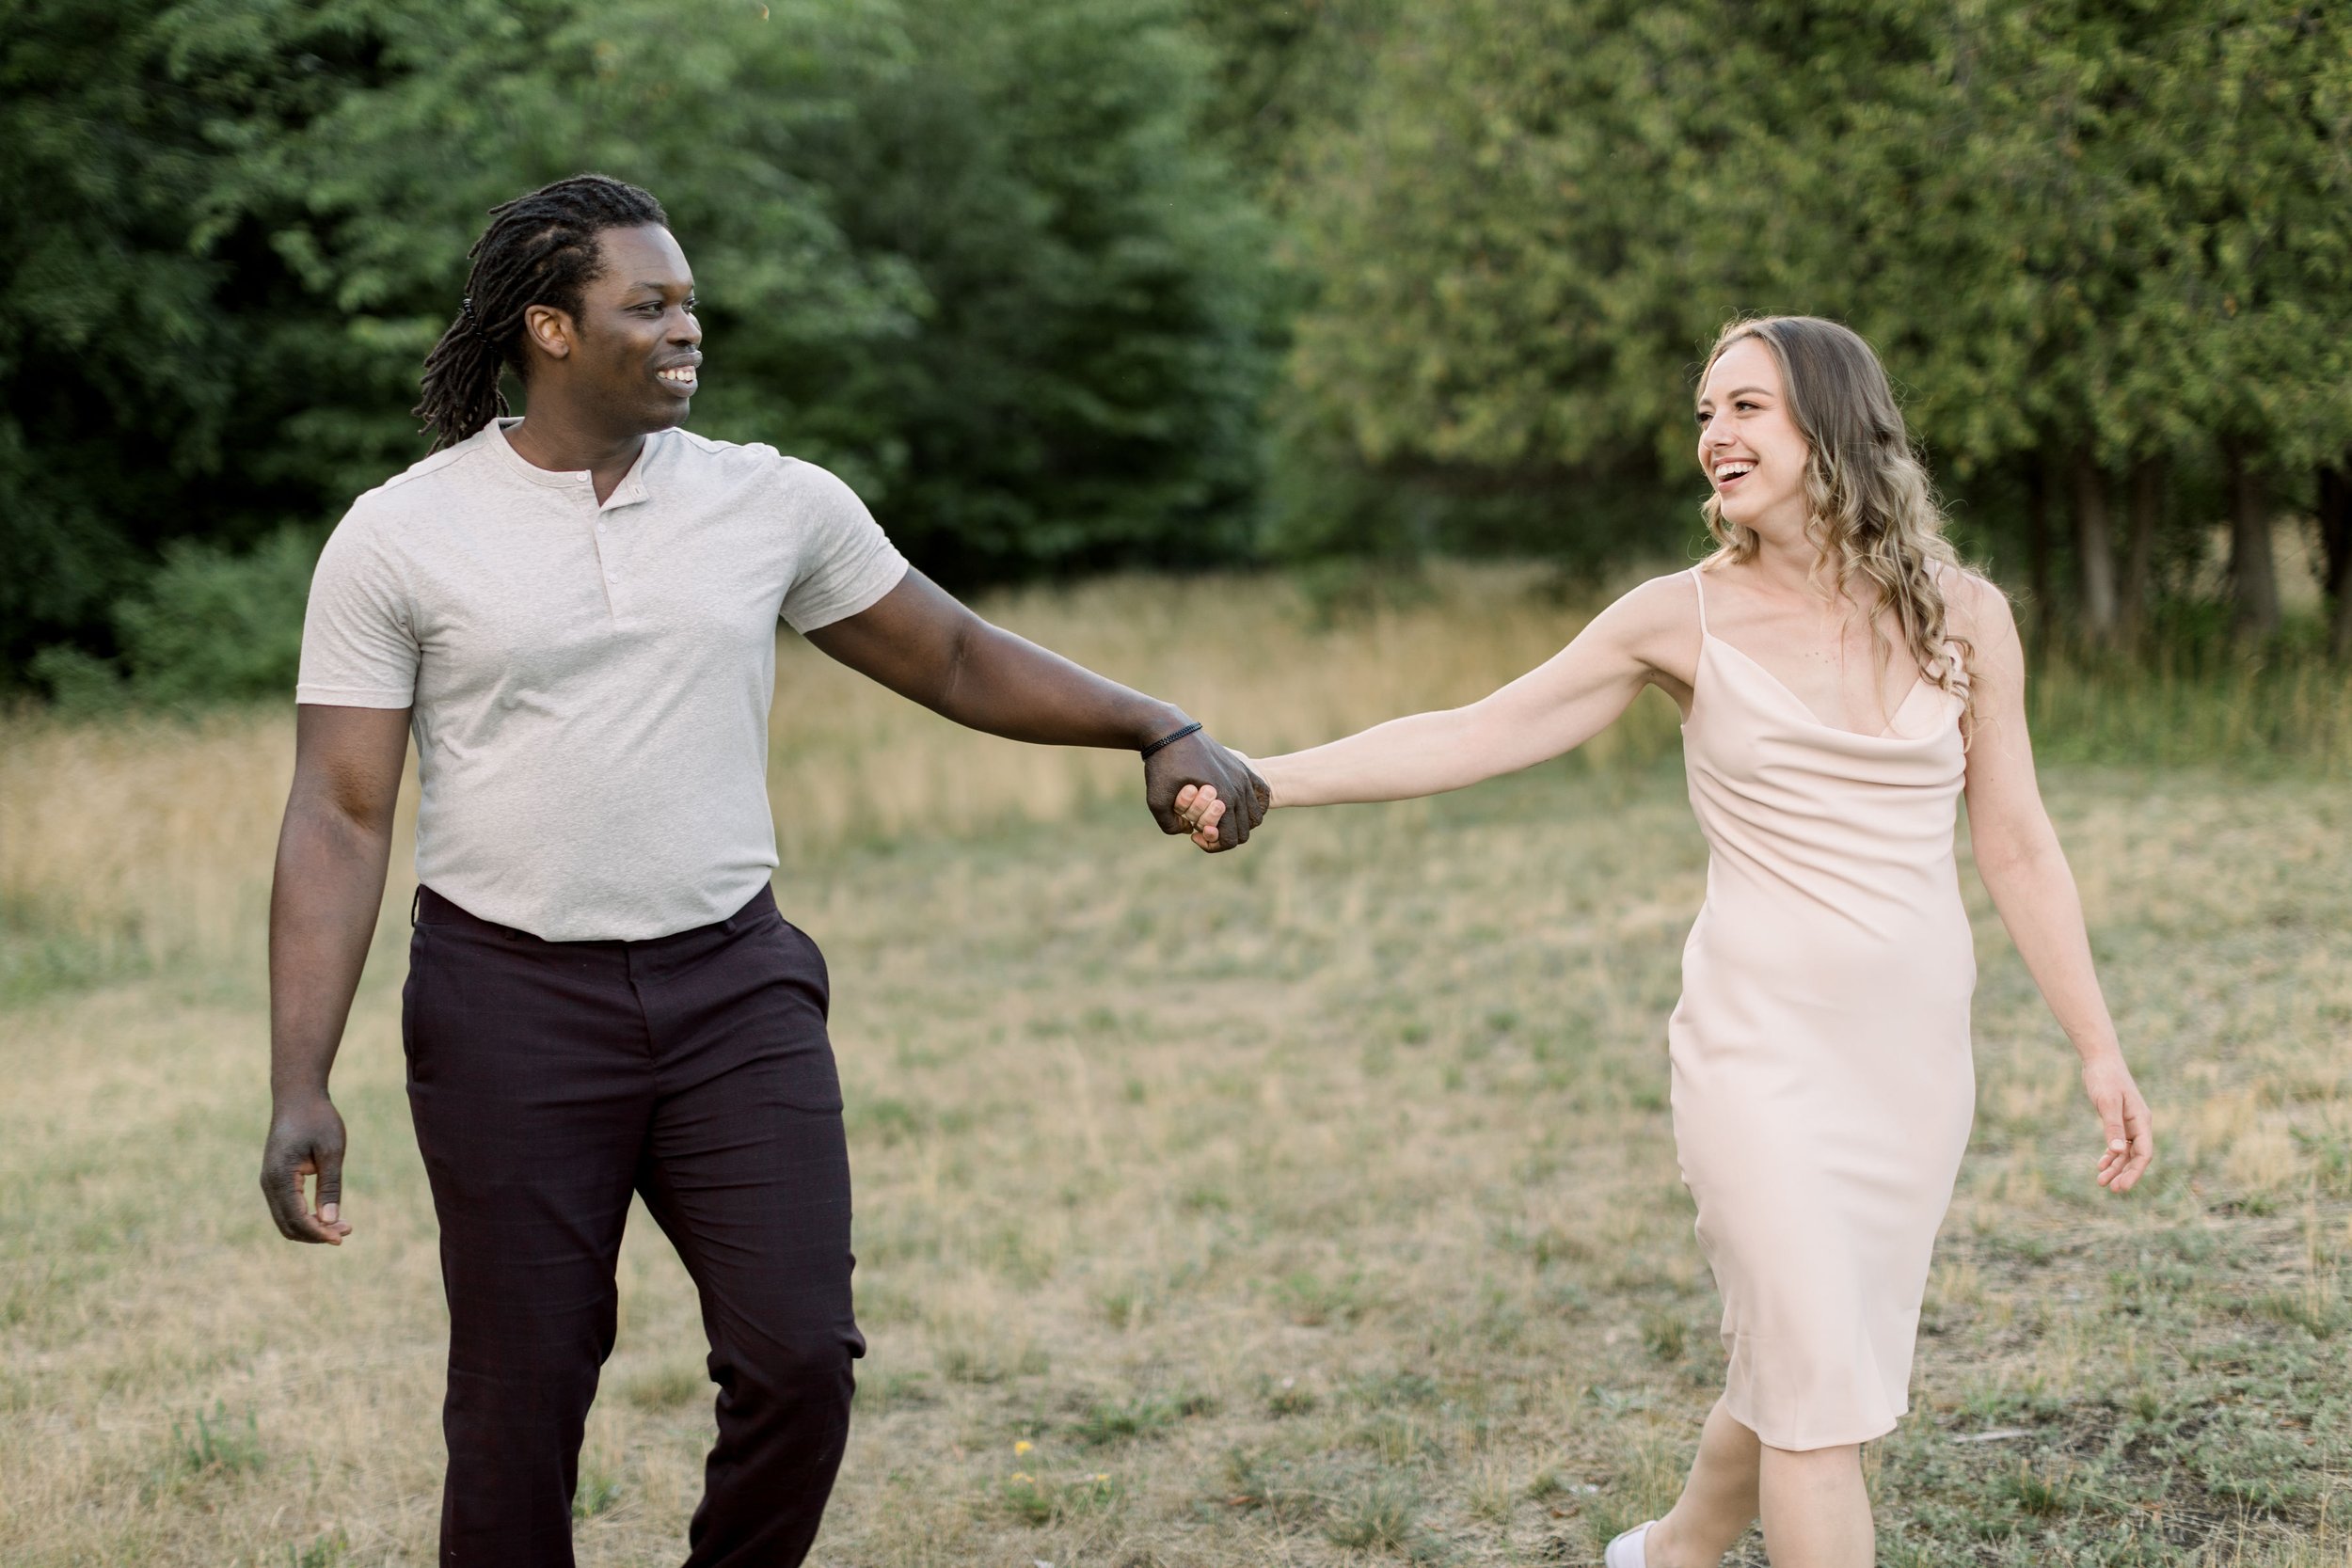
{"x":590,"y":684}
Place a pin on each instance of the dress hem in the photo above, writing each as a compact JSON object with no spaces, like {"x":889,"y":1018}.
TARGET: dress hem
{"x":1805,"y":1442}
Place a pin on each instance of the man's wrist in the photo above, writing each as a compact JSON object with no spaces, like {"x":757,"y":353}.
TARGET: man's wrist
{"x":1182,"y":732}
{"x":1157,"y":722}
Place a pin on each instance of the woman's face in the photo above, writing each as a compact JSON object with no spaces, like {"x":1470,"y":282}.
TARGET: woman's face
{"x":1749,"y":444}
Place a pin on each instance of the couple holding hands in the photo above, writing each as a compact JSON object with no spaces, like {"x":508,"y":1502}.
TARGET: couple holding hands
{"x":575,"y":612}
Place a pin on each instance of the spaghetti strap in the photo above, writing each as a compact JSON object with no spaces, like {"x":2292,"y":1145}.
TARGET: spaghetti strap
{"x":1701,"y":586}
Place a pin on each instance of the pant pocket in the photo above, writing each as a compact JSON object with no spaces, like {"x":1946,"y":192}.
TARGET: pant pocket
{"x":410,"y":990}
{"x":807,"y":961}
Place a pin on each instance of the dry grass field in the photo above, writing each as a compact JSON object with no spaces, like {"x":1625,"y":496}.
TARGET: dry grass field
{"x":1311,"y":1204}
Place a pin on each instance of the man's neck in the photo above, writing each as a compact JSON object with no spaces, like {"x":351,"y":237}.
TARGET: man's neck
{"x":547,"y":441}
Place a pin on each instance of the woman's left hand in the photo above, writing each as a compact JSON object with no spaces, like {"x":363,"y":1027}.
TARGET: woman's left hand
{"x":2123,"y":1114}
{"x":1201,"y":808}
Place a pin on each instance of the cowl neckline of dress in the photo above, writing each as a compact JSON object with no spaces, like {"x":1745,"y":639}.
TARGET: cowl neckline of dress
{"x":1892,"y":734}
{"x":1893,"y":730}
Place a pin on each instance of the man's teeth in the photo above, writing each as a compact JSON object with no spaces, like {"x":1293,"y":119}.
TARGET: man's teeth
{"x":683,"y":372}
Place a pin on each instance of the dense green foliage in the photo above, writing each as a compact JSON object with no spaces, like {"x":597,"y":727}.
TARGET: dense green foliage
{"x":1050,"y":281}
{"x":205,"y":626}
{"x":2097,"y":238}
{"x":1080,"y":383}
{"x":976,"y":260}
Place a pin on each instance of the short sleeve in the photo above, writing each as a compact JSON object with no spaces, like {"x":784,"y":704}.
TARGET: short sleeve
{"x":846,"y":562}
{"x":359,"y":646}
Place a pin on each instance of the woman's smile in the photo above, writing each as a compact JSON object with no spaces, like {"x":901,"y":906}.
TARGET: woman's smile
{"x":1749,"y":445}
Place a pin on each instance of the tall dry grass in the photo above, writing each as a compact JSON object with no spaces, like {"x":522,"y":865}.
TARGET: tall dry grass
{"x":2285,"y":708}
{"x":150,"y":839}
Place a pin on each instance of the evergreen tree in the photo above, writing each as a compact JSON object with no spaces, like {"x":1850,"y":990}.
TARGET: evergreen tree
{"x":2102,"y":242}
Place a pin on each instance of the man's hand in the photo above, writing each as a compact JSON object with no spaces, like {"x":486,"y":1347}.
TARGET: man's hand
{"x":323,"y":904}
{"x":306,"y":1139}
{"x":1196,"y":762}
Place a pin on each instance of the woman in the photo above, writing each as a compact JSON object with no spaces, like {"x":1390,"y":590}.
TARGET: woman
{"x":1842,"y":682}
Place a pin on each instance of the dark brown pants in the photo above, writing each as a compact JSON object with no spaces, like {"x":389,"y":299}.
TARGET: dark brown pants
{"x":548,"y":1080}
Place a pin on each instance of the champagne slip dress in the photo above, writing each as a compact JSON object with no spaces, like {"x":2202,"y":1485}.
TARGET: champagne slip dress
{"x":1822,"y":1086}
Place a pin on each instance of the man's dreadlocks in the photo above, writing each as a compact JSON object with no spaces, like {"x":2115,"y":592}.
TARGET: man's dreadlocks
{"x":539,"y":250}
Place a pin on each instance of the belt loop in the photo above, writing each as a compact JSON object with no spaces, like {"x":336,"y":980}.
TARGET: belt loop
{"x":415,"y":902}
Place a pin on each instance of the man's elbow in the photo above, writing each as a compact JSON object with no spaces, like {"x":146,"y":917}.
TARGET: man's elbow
{"x":342,"y":815}
{"x":951,"y":678}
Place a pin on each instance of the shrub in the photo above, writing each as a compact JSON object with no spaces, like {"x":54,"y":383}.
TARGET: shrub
{"x":208,"y":627}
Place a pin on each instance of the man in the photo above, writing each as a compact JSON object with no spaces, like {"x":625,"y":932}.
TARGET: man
{"x":575,"y":615}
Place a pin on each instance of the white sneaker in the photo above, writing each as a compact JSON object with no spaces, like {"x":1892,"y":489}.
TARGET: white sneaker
{"x":1627,"y":1550}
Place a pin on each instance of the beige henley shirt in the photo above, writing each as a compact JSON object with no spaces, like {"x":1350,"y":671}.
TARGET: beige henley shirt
{"x":590,"y":685}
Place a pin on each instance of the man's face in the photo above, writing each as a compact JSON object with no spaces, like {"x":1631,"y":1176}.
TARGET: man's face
{"x":635,"y":350}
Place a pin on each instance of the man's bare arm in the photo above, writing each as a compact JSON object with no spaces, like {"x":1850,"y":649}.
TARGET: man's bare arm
{"x":920,"y":643}
{"x":332,"y":852}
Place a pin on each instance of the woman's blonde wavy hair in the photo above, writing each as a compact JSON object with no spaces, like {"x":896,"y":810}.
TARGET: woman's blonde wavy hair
{"x":1873,"y":513}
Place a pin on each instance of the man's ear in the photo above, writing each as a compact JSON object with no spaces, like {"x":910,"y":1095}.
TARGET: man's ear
{"x":548,"y":331}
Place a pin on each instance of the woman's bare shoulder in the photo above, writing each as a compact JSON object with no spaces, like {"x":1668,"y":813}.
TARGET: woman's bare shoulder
{"x":1656,"y":622}
{"x":1668,"y":603}
{"x":1975,"y":605}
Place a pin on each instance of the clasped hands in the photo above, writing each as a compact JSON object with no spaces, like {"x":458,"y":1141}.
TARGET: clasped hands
{"x":1192,"y":786}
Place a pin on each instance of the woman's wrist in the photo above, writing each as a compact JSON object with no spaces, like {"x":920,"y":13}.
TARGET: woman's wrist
{"x":2100,"y":1050}
{"x":1269,"y":769}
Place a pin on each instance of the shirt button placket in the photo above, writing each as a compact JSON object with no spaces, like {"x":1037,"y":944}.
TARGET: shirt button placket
{"x":605,"y":559}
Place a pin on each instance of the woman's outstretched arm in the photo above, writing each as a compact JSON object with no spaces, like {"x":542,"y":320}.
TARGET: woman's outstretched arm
{"x":2018,"y":856}
{"x":1553,"y":708}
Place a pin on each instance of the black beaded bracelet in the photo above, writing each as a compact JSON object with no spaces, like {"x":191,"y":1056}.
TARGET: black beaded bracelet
{"x":1171,"y":737}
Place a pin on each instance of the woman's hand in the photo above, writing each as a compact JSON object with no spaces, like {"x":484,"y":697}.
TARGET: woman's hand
{"x":2130,"y":1141}
{"x":1201,"y":808}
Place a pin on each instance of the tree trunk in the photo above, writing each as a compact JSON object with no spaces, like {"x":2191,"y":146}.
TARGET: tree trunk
{"x":2139,"y":558}
{"x":2038,"y":541}
{"x":2094,"y":547}
{"x":2253,"y":570}
{"x":2335,"y":539}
